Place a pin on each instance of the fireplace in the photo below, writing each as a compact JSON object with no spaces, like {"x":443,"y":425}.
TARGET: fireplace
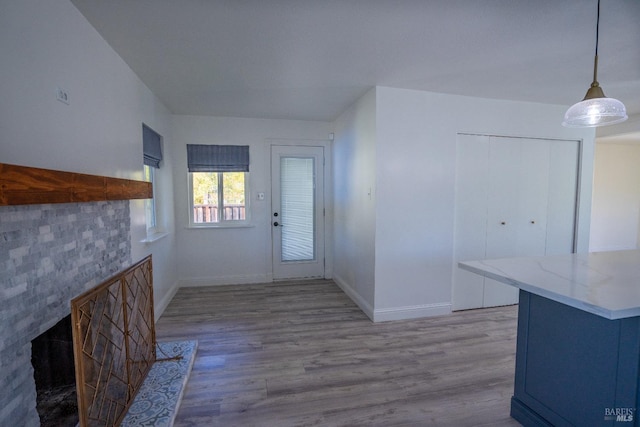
{"x":49,"y":254}
{"x":54,"y":375}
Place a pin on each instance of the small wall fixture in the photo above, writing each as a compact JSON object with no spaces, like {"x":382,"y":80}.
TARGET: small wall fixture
{"x":595,"y":109}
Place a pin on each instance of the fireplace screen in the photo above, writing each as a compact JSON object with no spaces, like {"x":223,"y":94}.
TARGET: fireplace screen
{"x":114,"y":344}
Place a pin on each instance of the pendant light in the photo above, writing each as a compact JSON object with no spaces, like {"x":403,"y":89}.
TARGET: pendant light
{"x":595,"y":109}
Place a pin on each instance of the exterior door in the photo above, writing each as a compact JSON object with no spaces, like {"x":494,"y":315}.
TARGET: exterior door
{"x":297,"y":211}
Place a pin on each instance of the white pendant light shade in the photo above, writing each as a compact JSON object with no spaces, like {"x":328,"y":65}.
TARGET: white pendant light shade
{"x":595,"y":112}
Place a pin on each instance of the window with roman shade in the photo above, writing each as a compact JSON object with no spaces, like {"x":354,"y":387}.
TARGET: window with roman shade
{"x":152,"y":156}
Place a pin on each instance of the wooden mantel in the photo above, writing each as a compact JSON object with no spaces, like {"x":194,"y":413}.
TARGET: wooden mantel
{"x":22,"y":185}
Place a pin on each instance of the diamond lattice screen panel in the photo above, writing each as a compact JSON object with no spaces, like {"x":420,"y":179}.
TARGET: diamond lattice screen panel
{"x":139,"y":315}
{"x":114,"y":344}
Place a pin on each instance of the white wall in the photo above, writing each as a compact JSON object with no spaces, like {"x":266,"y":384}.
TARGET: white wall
{"x":48,"y":43}
{"x":416,"y":140}
{"x":233,"y":255}
{"x":616,"y":197}
{"x":354,"y":165}
{"x":414,"y":134}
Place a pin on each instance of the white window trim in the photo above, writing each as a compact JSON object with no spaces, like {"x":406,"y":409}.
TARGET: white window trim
{"x":155,"y":232}
{"x":246,"y":223}
{"x":151,"y":230}
{"x":154,"y":237}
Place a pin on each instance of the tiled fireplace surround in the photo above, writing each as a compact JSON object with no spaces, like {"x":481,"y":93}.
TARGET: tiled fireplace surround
{"x":48,"y":255}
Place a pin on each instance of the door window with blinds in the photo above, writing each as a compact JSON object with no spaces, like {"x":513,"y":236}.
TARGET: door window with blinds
{"x":218,"y":185}
{"x":297,"y":208}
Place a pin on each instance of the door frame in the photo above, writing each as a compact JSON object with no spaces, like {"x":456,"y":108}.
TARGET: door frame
{"x":327,"y":200}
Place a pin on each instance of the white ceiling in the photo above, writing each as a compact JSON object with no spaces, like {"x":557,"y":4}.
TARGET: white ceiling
{"x":311,"y":59}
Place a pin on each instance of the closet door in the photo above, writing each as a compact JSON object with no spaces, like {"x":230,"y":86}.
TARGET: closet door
{"x":514,"y":197}
{"x":533,"y":178}
{"x":503,"y":210}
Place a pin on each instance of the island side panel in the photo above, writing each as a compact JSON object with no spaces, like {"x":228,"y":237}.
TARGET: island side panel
{"x":573,"y":366}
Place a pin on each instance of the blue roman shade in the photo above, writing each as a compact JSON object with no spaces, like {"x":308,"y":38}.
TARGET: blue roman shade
{"x":151,"y":147}
{"x":218,"y":158}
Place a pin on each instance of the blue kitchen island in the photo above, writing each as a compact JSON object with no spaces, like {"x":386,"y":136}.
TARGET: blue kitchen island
{"x":578,"y":345}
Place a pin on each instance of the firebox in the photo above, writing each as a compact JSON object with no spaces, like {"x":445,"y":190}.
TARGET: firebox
{"x":54,"y":374}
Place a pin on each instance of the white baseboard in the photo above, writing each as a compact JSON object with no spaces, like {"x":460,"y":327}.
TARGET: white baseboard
{"x":355,"y":296}
{"x":411,"y":312}
{"x":159,"y":308}
{"x":225,"y":280}
{"x":395,"y":313}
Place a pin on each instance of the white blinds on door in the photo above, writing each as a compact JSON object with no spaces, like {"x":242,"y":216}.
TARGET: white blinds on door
{"x":297,"y":208}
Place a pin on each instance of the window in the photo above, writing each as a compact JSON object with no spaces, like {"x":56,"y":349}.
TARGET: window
{"x":150,"y":204}
{"x":218,"y":197}
{"x":218,"y":185}
{"x":152,"y":156}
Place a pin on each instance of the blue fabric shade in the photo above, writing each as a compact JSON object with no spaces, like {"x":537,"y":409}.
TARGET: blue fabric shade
{"x":151,"y":147}
{"x":218,"y":158}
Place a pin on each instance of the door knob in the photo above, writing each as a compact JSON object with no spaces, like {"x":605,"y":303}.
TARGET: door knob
{"x":275,"y":224}
{"x":275,"y":214}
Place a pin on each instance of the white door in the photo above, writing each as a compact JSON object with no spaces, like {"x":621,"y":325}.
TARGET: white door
{"x":502,"y":206}
{"x":297,"y":209}
{"x":518,"y":205}
{"x":514,"y":197}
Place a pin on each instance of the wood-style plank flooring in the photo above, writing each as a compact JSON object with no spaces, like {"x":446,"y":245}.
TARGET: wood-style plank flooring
{"x":303,"y":354}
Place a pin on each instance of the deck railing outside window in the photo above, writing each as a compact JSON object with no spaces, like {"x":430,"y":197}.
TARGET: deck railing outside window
{"x":209,"y":213}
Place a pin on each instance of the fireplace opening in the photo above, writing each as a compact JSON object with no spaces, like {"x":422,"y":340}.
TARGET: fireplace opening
{"x":54,"y":374}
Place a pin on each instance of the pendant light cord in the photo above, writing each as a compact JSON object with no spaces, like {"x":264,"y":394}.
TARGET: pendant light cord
{"x":597,"y":27}
{"x":595,"y":62}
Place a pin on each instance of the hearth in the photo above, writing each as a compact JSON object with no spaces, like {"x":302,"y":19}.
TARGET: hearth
{"x":54,"y":375}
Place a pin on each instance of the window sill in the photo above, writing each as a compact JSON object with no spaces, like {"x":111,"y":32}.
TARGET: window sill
{"x":217,"y":226}
{"x":154,"y":237}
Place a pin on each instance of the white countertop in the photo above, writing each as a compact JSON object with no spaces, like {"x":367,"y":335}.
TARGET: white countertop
{"x":603,"y":283}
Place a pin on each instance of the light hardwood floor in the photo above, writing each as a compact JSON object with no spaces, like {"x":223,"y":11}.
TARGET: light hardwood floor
{"x":303,"y":354}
